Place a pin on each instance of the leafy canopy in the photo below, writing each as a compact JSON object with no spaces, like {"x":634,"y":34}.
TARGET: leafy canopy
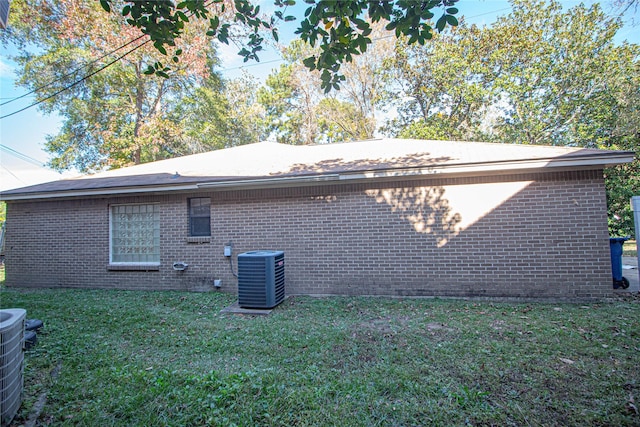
{"x":542,"y":74}
{"x":338,"y":27}
{"x":119,"y":116}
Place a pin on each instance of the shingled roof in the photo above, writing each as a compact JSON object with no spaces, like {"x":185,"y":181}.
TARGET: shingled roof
{"x":269,"y":164}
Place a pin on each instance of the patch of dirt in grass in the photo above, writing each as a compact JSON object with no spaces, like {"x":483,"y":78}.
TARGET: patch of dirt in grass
{"x":372,"y":340}
{"x":393,"y":330}
{"x":384,"y":325}
{"x":393,"y":325}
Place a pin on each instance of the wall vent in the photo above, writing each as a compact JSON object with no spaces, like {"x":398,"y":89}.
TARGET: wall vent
{"x":12,"y":322}
{"x":260,"y":279}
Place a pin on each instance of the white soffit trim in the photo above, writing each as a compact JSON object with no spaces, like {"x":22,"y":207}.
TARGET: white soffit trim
{"x":503,"y":167}
{"x":507,"y":167}
{"x":112,"y":191}
{"x":588,"y":162}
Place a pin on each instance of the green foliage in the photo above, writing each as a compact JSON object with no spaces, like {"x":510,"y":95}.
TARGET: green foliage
{"x":124,"y":358}
{"x":297,"y":112}
{"x":539,"y":75}
{"x":622,"y":183}
{"x":433,"y":127}
{"x":540,"y":49}
{"x":468,"y":397}
{"x":338,"y":28}
{"x":286,"y":108}
{"x":121,"y":116}
{"x":341,"y":121}
{"x":230,"y":111}
{"x":441,"y":90}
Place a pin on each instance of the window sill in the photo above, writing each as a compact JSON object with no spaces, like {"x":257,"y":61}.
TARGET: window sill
{"x":133,"y":267}
{"x":198,"y":239}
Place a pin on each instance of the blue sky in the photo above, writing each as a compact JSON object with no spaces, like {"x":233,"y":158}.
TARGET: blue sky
{"x":25,"y":133}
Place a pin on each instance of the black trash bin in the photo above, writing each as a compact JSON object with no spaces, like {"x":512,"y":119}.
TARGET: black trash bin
{"x":615,"y":246}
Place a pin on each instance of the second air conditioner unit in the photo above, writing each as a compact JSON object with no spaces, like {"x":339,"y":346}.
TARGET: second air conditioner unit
{"x":12,"y":322}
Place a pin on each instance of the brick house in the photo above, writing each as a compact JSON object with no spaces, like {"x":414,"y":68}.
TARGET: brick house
{"x":381,"y":217}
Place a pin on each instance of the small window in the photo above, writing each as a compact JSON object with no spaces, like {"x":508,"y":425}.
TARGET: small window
{"x":200,"y":216}
{"x":135,"y":234}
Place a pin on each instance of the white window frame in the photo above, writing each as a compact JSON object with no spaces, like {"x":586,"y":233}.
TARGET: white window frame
{"x":156,"y":237}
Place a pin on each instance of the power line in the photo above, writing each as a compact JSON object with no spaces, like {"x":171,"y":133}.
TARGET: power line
{"x":21,"y":156}
{"x":85,"y":77}
{"x":12,"y":174}
{"x":72,"y":72}
{"x":77,"y":81}
{"x":12,"y":98}
{"x":251,"y":65}
{"x":486,"y":13}
{"x":122,"y":56}
{"x":82,"y":67}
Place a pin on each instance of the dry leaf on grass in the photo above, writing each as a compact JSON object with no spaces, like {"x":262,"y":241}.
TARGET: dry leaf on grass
{"x":631,"y":406}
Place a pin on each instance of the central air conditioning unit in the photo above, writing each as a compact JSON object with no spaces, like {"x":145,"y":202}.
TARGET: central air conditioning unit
{"x":12,"y":322}
{"x":260,"y":279}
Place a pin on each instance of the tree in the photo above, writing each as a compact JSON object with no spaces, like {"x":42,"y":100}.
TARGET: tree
{"x":297,"y":112}
{"x":343,"y":121}
{"x":570,"y":84}
{"x":364,"y":85}
{"x":622,"y":183}
{"x":118,"y":116}
{"x":246,"y":117}
{"x":440,"y":90}
{"x":539,"y":75}
{"x":336,"y":27}
{"x":621,"y":131}
{"x":290,"y":99}
{"x":217,"y":115}
{"x":539,"y":51}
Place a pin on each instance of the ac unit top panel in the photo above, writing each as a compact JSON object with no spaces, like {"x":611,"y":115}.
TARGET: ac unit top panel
{"x":262,"y":254}
{"x":9,"y":317}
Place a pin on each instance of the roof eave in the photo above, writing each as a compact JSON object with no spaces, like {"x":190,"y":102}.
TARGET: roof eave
{"x":591,"y":162}
{"x":110,"y":191}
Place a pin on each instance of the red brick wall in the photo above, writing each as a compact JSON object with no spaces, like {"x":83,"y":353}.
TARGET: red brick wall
{"x":517,"y":236}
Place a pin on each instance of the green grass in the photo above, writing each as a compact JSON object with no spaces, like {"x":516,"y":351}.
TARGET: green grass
{"x":629,"y":248}
{"x":172,"y":359}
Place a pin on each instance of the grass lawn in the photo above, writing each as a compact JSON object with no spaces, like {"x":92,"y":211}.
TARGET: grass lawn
{"x":629,"y":248}
{"x":122,"y":358}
